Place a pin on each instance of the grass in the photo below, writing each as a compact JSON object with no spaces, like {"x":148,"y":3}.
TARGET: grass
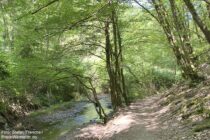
{"x":205,"y":124}
{"x":52,"y":108}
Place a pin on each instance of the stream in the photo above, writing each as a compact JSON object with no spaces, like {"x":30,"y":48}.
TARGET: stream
{"x":57,"y":123}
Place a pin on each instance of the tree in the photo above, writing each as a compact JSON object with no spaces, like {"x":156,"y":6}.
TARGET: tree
{"x":203,"y":27}
{"x":180,"y":44}
{"x":114,"y":58}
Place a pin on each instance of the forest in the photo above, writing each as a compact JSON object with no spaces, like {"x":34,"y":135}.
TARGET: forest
{"x":105,"y":69}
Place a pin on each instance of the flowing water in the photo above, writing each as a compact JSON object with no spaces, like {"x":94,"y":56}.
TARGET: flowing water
{"x":58,"y":123}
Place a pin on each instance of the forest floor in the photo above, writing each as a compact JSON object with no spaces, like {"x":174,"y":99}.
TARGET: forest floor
{"x":151,"y":118}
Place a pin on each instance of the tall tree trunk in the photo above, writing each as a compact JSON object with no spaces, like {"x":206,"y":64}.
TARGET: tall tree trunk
{"x":119,"y":75}
{"x":117,"y":60}
{"x":109,"y":65}
{"x":114,"y":59}
{"x":121,"y":72}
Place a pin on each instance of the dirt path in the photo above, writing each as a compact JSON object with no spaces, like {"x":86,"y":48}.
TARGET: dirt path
{"x":147,"y":119}
{"x":142,"y":120}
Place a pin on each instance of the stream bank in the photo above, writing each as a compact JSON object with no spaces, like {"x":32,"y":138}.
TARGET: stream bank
{"x":56,"y":123}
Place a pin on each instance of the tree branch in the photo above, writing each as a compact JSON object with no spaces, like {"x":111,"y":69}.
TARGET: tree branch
{"x":75,"y":24}
{"x":148,"y":11}
{"x":37,"y":10}
{"x":44,"y":6}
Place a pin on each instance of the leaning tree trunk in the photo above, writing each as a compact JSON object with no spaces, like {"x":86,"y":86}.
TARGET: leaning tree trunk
{"x":94,"y":99}
{"x":184,"y":40}
{"x":182,"y":54}
{"x":198,"y":20}
{"x":98,"y":107}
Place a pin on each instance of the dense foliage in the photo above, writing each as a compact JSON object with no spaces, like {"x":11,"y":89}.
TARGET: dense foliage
{"x":57,"y":50}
